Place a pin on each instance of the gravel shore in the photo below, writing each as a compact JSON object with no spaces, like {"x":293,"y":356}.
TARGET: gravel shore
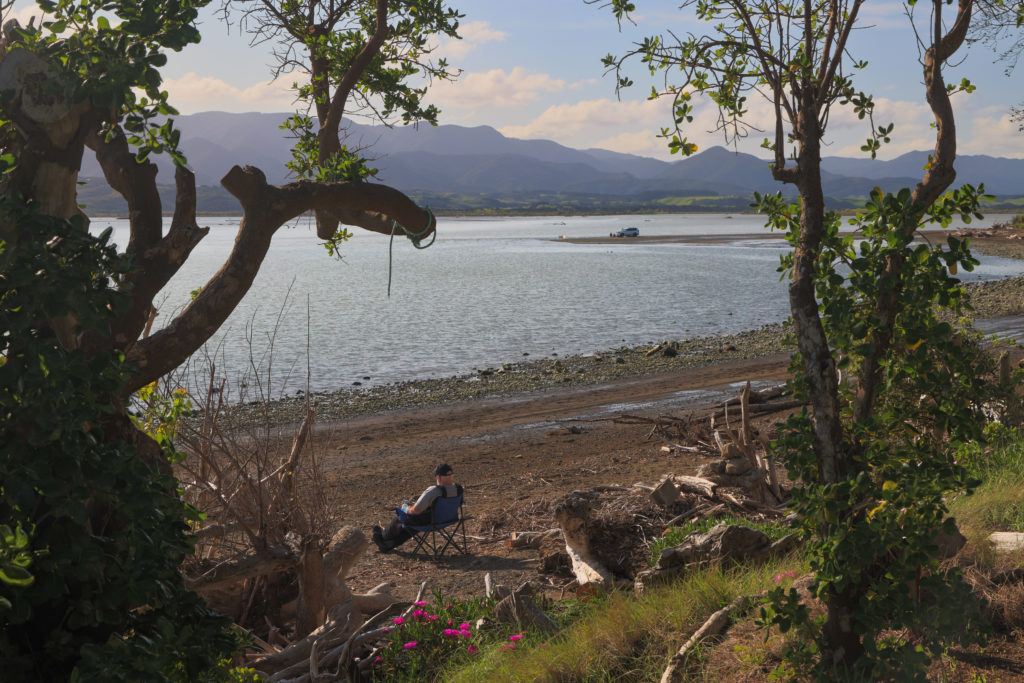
{"x":533,"y":375}
{"x":989,"y":299}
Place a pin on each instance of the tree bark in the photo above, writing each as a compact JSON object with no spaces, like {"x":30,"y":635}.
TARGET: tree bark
{"x":937,"y":179}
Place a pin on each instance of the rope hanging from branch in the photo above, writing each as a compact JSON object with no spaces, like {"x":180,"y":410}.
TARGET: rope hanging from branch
{"x":415,"y":237}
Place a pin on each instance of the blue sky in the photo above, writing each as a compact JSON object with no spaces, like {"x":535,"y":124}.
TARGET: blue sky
{"x":531,"y":69}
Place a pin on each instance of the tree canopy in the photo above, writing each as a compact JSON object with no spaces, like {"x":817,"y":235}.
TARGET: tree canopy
{"x":368,"y":58}
{"x":92,"y":532}
{"x":873,"y":459}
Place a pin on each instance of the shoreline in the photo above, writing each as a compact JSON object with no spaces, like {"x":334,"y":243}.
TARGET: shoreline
{"x":992,"y":299}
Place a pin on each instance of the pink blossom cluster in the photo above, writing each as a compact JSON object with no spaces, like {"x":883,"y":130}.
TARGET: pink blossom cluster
{"x":421,"y":615}
{"x":462,"y":631}
{"x":785,"y":575}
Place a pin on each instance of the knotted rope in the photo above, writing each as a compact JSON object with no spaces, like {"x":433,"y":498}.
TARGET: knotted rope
{"x":414,"y":237}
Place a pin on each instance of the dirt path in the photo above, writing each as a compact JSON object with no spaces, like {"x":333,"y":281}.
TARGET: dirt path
{"x":516,"y":454}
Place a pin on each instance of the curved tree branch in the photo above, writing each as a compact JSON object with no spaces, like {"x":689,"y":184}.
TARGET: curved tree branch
{"x":937,"y":179}
{"x":157,"y":257}
{"x":329,"y":128}
{"x":265,"y":209}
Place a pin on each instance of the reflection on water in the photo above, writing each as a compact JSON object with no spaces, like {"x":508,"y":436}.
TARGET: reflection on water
{"x":488,"y":291}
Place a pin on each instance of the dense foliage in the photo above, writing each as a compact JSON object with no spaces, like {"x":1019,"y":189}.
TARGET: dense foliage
{"x":873,"y":534}
{"x":892,"y":389}
{"x":98,"y":595}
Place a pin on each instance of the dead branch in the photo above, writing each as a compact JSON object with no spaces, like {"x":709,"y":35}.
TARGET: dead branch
{"x":532,"y":539}
{"x":715,"y":625}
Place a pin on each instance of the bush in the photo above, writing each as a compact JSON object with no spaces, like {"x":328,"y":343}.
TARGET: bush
{"x":98,"y":534}
{"x":438,"y":636}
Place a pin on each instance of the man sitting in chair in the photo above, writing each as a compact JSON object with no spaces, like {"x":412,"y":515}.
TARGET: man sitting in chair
{"x":416,"y":515}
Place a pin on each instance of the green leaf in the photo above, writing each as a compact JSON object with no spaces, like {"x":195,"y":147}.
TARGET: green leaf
{"x":15,"y":575}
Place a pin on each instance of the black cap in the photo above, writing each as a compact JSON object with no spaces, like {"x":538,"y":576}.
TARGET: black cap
{"x":442,"y":470}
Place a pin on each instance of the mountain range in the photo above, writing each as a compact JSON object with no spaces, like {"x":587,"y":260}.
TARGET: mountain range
{"x":477,"y":168}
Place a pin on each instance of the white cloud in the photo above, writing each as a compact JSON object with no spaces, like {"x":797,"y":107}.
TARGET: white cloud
{"x":494,"y":88}
{"x":605,"y":115}
{"x":644,"y":143}
{"x":632,"y":126}
{"x":193,"y":92}
{"x":992,"y":132}
{"x":474,"y":35}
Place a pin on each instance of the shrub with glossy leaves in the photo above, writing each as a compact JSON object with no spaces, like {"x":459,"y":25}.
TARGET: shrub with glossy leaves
{"x":99,"y":533}
{"x":872,"y":534}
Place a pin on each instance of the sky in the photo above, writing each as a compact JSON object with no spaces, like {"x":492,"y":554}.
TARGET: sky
{"x":532,"y":69}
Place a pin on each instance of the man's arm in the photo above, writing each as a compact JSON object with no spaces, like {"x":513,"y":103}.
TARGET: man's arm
{"x":425,"y":500}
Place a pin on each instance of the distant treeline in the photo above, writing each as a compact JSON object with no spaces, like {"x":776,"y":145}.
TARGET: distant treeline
{"x":100,"y":199}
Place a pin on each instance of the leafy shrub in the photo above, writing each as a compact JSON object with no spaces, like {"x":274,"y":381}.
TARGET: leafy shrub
{"x":871,"y":527}
{"x":101,"y":532}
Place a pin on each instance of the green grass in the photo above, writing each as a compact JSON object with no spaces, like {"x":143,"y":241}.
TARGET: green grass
{"x":998,"y":504}
{"x":676,"y":534}
{"x":620,"y":637}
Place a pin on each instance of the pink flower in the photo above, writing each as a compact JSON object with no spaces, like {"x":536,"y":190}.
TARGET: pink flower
{"x":449,"y":622}
{"x":509,"y":646}
{"x":785,"y":575}
{"x":420,"y":603}
{"x":471,"y":649}
{"x":518,"y":636}
{"x":464,"y":626}
{"x":409,"y":646}
{"x":450,"y":633}
{"x":419,"y":614}
{"x":466,"y":634}
{"x":432,"y":617}
{"x":399,"y":621}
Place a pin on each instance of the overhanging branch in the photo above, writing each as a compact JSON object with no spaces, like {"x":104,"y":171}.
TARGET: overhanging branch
{"x":265,"y":208}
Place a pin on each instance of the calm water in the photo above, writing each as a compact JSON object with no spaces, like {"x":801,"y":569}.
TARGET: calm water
{"x":488,"y":291}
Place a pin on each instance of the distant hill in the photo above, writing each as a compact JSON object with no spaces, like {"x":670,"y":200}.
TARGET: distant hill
{"x":471,"y":168}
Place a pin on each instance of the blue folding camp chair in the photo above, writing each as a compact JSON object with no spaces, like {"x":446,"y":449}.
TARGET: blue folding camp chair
{"x":447,"y":524}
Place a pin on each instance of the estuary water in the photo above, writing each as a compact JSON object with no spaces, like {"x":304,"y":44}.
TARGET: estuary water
{"x":487,"y":292}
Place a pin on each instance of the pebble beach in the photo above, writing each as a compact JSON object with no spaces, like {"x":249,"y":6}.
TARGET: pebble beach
{"x":989,"y":299}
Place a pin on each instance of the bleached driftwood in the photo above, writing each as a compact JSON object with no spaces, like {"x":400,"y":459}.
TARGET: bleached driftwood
{"x":715,"y":625}
{"x":532,"y":539}
{"x":376,"y":599}
{"x":271,"y":561}
{"x":573,"y":515}
{"x":699,"y":485}
{"x":761,"y":408}
{"x":293,"y":661}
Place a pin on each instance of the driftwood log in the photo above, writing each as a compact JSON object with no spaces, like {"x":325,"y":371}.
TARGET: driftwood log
{"x":699,"y":485}
{"x":532,"y":539}
{"x":573,"y":514}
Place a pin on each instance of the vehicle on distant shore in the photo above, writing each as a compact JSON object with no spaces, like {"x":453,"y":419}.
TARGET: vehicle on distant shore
{"x":626,"y":232}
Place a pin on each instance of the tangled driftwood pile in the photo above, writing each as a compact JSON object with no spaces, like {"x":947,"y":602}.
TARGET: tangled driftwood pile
{"x":602,"y":537}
